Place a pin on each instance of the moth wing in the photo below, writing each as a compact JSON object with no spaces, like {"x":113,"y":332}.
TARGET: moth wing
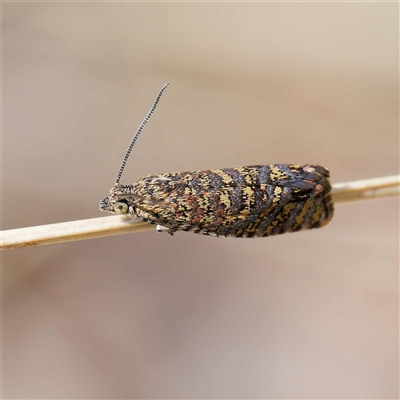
{"x":221,"y":203}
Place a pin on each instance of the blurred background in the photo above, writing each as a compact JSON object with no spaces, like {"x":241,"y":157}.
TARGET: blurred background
{"x":306,"y":315}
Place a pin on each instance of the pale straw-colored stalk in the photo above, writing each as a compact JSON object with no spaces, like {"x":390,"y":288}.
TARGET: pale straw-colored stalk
{"x":117,"y":225}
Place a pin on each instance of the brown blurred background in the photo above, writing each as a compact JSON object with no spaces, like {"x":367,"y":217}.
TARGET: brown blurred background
{"x":307,"y":315}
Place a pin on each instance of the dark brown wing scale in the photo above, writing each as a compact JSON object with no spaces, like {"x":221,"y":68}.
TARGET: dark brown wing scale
{"x":253,"y":201}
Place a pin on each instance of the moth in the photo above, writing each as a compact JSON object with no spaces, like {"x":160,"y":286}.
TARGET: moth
{"x":253,"y":201}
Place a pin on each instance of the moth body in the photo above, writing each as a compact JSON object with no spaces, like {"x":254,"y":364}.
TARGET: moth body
{"x":254,"y":201}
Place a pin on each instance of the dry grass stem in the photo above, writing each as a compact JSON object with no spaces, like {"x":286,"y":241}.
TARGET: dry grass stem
{"x":117,"y":225}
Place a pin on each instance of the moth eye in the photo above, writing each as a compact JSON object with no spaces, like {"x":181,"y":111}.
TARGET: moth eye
{"x":120,"y":207}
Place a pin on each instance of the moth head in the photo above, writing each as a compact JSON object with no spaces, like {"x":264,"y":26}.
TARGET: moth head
{"x":121,"y":197}
{"x":119,"y":201}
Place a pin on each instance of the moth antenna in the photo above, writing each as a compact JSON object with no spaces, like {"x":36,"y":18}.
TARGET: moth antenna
{"x":133,"y":141}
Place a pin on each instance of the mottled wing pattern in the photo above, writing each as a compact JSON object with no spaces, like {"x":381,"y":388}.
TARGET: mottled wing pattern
{"x":250,"y":201}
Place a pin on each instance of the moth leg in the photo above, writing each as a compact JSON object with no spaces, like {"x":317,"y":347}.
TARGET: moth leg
{"x":161,"y":229}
